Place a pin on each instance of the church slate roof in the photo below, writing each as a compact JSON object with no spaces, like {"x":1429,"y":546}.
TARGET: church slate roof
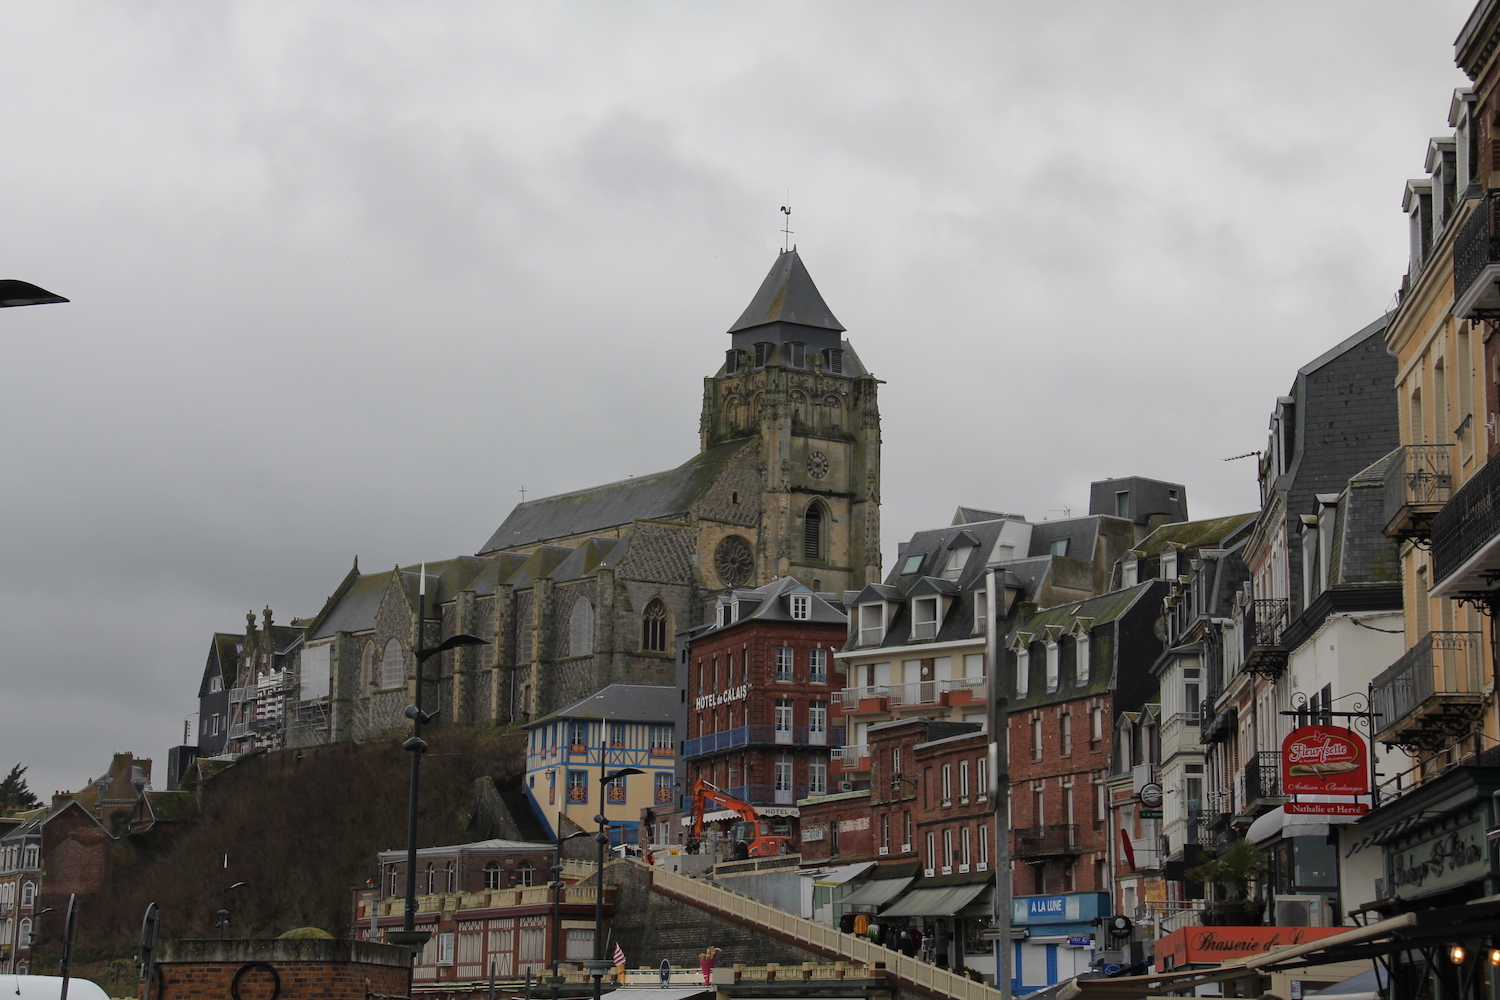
{"x":788,"y":295}
{"x":660,"y":494}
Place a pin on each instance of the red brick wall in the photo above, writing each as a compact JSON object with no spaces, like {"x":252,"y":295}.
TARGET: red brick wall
{"x":855,"y":824}
{"x":754,"y":644}
{"x":325,"y":970}
{"x":75,"y":855}
{"x":1082,"y":761}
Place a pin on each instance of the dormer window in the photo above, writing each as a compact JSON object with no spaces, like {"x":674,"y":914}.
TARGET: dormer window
{"x":1059,"y":547}
{"x":731,"y":361}
{"x":801,"y":607}
{"x":958,"y":557}
{"x":724,"y":618}
{"x":834,"y":357}
{"x":763,"y":354}
{"x":924,"y":618}
{"x":799,"y":355}
{"x":871,"y":624}
{"x":913,"y":564}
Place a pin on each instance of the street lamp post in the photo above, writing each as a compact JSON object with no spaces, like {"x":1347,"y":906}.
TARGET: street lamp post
{"x":601,"y":838}
{"x":409,"y":936}
{"x":224,"y":906}
{"x":557,"y":885}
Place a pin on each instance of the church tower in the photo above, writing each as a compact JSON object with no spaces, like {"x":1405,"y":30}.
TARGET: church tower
{"x":791,"y":381}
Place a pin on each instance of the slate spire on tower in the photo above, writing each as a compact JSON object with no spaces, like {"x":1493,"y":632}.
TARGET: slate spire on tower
{"x":788,"y":295}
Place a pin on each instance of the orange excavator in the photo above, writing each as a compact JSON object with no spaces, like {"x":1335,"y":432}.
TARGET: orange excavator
{"x":751,"y":836}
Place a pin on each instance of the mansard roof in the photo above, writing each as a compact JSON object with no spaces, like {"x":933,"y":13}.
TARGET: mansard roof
{"x":1096,"y":611}
{"x":771,"y":603}
{"x":787,"y":295}
{"x":612,"y":505}
{"x":621,"y":703}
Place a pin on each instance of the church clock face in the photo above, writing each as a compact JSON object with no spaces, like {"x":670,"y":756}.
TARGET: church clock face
{"x":734,"y":562}
{"x":817,"y":465}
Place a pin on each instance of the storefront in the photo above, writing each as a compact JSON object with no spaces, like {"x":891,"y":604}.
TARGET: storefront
{"x":1059,"y":938}
{"x":942,"y":921}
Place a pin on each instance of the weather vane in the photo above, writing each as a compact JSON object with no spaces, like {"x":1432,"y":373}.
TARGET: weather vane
{"x":786,"y":230}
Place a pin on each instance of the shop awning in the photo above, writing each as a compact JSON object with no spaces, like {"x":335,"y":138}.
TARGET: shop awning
{"x":1451,"y":924}
{"x":877,"y":892}
{"x":943,"y":901}
{"x":1365,"y":986}
{"x":1277,"y":823}
{"x":838,"y":876}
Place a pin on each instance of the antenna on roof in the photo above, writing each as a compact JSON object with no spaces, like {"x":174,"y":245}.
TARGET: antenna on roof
{"x":1236,"y":458}
{"x":786,"y":230}
{"x":1067,"y":512}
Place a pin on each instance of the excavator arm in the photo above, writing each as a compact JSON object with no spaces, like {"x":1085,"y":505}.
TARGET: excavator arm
{"x":704,"y":792}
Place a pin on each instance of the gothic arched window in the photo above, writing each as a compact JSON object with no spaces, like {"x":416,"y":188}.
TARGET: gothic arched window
{"x":526,"y":873}
{"x":812,"y":531}
{"x":654,"y":627}
{"x":429,"y":879}
{"x":581,"y":628}
{"x":393,"y":665}
{"x":450,"y":878}
{"x":492,"y":875}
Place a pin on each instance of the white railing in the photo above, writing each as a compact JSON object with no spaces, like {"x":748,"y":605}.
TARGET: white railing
{"x":852,"y":696}
{"x":850,"y":756}
{"x":917,"y":692}
{"x":821,"y":937}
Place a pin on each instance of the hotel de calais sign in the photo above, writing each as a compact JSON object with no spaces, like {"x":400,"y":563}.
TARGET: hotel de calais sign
{"x":1438,"y":860}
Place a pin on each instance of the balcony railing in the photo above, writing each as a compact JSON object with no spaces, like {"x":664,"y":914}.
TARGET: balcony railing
{"x":743,"y":736}
{"x":1264,"y":622}
{"x":1432,"y":695}
{"x":1417,"y":484}
{"x":1047,"y":841}
{"x":767,"y":795}
{"x":950,"y":691}
{"x":1469,"y":522}
{"x":1475,"y":248}
{"x":850,"y":756}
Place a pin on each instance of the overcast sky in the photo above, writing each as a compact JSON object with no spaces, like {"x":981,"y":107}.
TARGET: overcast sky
{"x":346,"y":276}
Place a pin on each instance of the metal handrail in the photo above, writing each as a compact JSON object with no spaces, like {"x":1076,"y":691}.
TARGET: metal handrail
{"x":1467,"y":521}
{"x":747,"y":735}
{"x":822,"y":938}
{"x":1440,"y":663}
{"x":1421,"y":474}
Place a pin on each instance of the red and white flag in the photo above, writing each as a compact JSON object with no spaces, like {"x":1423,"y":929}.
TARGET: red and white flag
{"x":619,"y":955}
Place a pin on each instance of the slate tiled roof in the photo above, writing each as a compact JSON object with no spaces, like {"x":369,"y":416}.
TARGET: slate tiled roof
{"x":787,"y":295}
{"x":1082,"y":534}
{"x":1195,"y":534}
{"x":660,"y":494}
{"x":621,"y":703}
{"x":770,"y":603}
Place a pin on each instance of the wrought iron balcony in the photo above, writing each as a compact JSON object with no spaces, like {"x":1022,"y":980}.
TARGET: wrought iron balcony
{"x":762,"y":735}
{"x":1264,"y":622}
{"x":1263,"y":779}
{"x":1417,"y":484}
{"x":1476,"y":262}
{"x":1058,"y":840}
{"x":1466,"y":536}
{"x":767,"y":795}
{"x":1433,"y":695}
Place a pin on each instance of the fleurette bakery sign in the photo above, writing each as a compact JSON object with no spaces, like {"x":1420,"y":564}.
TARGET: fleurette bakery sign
{"x":1324,"y":760}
